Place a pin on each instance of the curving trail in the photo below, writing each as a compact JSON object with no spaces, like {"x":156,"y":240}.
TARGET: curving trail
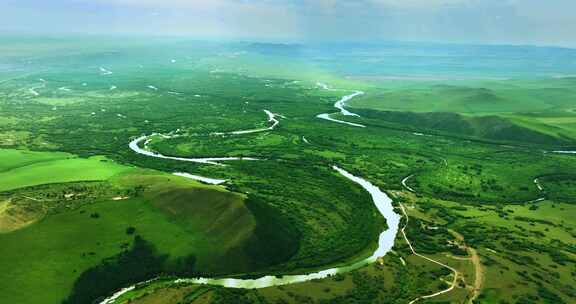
{"x":454,"y":271}
{"x":381,"y":200}
{"x":474,"y":258}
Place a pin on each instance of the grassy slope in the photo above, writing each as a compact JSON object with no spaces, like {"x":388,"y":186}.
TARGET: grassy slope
{"x":558,"y":125}
{"x":177,"y":215}
{"x":51,"y":254}
{"x":539,"y":109}
{"x":494,"y":128}
{"x":11,"y":159}
{"x":478,"y":98}
{"x":25,"y":169}
{"x":40,"y":263}
{"x":221,"y":216}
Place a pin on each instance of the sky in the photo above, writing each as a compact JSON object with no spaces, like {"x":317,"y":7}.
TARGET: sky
{"x":531,"y":22}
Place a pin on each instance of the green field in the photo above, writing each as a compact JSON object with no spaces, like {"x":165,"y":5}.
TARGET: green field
{"x":473,"y":97}
{"x":59,"y":171}
{"x":49,"y":246}
{"x":12,"y":159}
{"x":82,"y":215}
{"x":519,"y":110}
{"x":42,"y":262}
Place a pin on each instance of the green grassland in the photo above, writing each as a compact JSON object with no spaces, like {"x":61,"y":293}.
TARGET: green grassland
{"x":59,"y":171}
{"x":12,"y":159}
{"x":522,"y":261}
{"x":473,"y":149}
{"x":514,"y":110}
{"x":42,"y":261}
{"x":473,"y":97}
{"x":491,"y":178}
{"x":72,"y":225}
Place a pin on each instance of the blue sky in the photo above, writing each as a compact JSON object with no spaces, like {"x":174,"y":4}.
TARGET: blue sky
{"x":534,"y":22}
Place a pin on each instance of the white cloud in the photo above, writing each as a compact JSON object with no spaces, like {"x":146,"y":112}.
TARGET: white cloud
{"x":494,"y":21}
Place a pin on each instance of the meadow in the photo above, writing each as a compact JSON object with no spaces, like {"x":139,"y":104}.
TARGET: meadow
{"x":461,"y":156}
{"x":90,"y":211}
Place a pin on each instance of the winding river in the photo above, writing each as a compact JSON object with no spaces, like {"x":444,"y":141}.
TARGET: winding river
{"x":381,"y":200}
{"x":134,"y":145}
{"x":341,"y":105}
